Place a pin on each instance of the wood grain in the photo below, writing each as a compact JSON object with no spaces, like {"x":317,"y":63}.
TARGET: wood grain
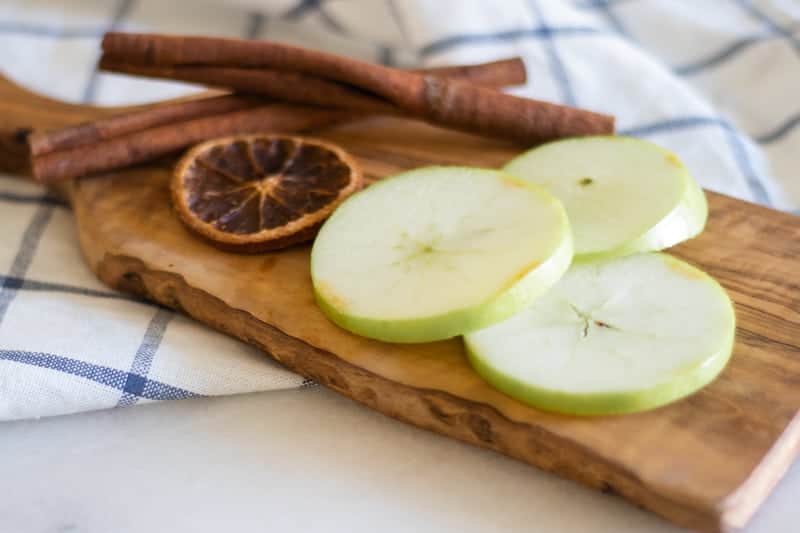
{"x":706,"y":462}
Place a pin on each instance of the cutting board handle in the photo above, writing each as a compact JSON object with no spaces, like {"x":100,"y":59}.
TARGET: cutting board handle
{"x":23,"y":110}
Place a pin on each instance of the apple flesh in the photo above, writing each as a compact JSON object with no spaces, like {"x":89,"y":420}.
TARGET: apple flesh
{"x":622,"y":195}
{"x":613,"y":336}
{"x":439,"y":251}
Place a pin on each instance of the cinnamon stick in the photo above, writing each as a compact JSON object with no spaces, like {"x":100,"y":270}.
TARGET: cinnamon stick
{"x":497,"y":74}
{"x":285,"y":86}
{"x":451,"y":103}
{"x":155,"y":130}
{"x":151,"y":143}
{"x":42,"y":142}
{"x":305,"y":89}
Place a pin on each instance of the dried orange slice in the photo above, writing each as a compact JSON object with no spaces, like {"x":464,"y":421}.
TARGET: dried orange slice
{"x":255,"y":193}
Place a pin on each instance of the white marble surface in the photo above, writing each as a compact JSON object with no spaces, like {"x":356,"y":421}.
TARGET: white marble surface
{"x":303,"y":460}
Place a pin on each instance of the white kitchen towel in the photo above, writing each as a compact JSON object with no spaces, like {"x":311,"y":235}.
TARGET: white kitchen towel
{"x":716,"y":81}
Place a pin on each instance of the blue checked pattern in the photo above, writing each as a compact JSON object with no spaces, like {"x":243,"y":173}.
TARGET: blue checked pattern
{"x":724,"y":96}
{"x":30,"y":240}
{"x":136,"y":381}
{"x":132,"y":385}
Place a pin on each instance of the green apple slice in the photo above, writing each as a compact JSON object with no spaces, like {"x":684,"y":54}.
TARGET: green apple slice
{"x":613,"y":336}
{"x":622,"y":195}
{"x":438,"y":251}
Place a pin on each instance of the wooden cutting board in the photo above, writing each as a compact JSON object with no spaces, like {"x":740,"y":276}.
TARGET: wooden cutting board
{"x":706,"y":462}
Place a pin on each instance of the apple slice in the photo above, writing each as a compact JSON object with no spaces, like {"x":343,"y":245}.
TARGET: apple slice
{"x":622,"y":195}
{"x":438,"y":251}
{"x":613,"y":336}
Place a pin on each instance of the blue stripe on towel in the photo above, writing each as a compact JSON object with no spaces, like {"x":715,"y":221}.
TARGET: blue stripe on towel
{"x":606,"y":7}
{"x":255,"y":25}
{"x":670,"y":125}
{"x":90,"y":89}
{"x":37,"y":30}
{"x":331,"y":22}
{"x":137,"y":377}
{"x":446,"y":43}
{"x":739,"y":150}
{"x":756,"y":13}
{"x":721,"y":56}
{"x":737,"y":146}
{"x":110,"y":377}
{"x":399,"y":21}
{"x":27,"y":249}
{"x":18,"y":198}
{"x":782,"y":130}
{"x":597,"y":4}
{"x":557,"y":67}
{"x":301,"y":8}
{"x":44,"y":286}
